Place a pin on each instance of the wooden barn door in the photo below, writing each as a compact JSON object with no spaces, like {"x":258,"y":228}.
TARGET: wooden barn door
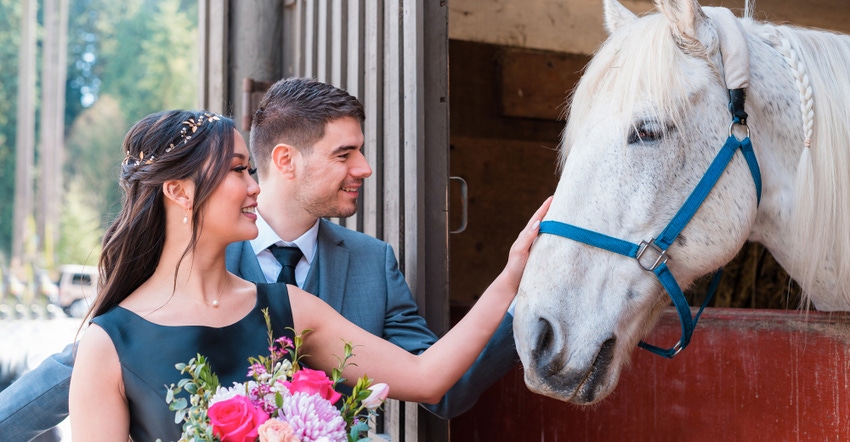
{"x":377,"y":51}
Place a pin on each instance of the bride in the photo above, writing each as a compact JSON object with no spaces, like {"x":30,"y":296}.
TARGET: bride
{"x":166,"y":296}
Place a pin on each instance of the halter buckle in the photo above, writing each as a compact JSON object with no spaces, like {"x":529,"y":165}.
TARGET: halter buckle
{"x":644,"y":246}
{"x":676,"y":349}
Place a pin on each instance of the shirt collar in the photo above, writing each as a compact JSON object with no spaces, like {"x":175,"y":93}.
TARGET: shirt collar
{"x":266,"y":237}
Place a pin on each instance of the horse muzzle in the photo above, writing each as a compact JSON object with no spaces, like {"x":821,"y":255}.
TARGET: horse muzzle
{"x":550,"y":371}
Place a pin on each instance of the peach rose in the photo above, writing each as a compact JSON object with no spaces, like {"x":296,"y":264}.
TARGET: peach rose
{"x":276,"y":430}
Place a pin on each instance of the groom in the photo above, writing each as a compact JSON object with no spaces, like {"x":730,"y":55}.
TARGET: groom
{"x":306,"y":140}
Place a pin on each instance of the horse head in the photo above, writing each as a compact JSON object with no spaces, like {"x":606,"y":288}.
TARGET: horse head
{"x":645,"y":121}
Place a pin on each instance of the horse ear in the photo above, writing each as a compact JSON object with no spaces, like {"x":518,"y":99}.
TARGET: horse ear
{"x":616,"y":15}
{"x":685,"y":16}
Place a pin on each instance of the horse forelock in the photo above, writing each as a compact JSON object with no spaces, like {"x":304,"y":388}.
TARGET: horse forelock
{"x":630,"y":75}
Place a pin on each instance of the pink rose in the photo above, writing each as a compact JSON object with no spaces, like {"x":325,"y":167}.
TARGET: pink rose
{"x":276,"y":430}
{"x":313,"y":382}
{"x":377,"y":397}
{"x":236,"y":419}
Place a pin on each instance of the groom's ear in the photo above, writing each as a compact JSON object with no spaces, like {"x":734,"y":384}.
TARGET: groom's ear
{"x":283,"y":159}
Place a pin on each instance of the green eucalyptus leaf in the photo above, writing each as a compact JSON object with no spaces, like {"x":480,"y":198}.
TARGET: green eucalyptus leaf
{"x":179,"y":403}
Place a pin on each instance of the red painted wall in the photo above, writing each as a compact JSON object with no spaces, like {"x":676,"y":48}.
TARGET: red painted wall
{"x":747,"y":375}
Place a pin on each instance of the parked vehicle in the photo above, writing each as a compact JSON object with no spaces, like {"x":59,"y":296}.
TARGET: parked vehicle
{"x":77,"y":288}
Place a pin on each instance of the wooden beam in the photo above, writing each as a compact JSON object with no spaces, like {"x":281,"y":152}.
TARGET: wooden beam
{"x":575,"y":26}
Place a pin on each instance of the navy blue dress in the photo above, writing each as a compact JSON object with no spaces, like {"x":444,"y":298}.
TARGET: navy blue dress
{"x":148,"y":353}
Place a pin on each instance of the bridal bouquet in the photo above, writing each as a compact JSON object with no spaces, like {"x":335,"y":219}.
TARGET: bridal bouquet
{"x":282,"y":401}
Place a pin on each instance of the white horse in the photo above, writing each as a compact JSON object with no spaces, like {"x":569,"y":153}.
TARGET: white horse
{"x":647,"y":118}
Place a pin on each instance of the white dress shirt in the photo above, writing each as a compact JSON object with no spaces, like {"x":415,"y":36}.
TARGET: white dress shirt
{"x":307,"y":243}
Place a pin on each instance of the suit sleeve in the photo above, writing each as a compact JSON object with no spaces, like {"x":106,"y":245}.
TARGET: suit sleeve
{"x":407,"y":329}
{"x":38,"y":400}
{"x":403,"y":325}
{"x":497,"y":359}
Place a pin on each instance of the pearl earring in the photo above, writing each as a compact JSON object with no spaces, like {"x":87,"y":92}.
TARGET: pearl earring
{"x":186,"y":217}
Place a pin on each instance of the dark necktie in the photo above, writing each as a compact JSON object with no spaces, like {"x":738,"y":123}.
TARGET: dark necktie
{"x":288,"y":258}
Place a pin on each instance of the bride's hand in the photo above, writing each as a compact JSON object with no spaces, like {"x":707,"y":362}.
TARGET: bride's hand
{"x":518,"y":255}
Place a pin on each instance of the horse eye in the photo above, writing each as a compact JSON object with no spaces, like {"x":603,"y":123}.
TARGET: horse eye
{"x":646,"y":132}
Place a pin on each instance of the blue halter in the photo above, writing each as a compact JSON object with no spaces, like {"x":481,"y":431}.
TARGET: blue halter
{"x":652,"y":255}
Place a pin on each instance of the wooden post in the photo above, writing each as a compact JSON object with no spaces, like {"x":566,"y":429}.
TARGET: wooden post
{"x":213,"y":30}
{"x":434,"y":143}
{"x":254,"y":47}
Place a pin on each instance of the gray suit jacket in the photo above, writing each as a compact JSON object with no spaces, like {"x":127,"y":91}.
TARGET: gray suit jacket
{"x":358,"y":276}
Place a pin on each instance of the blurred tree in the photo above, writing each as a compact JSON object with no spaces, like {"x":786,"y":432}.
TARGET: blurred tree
{"x":10,"y":35}
{"x":80,"y":230}
{"x":25,"y":136}
{"x":171,"y":55}
{"x":94,"y":156}
{"x":51,"y":141}
{"x":151,"y":61}
{"x":139,"y":55}
{"x":89,"y":25}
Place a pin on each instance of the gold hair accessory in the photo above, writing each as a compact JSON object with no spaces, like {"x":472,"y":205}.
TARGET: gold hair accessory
{"x":193,"y":126}
{"x":190,"y":126}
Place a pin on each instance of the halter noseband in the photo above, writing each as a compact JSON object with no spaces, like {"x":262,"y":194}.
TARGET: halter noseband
{"x":651,"y":255}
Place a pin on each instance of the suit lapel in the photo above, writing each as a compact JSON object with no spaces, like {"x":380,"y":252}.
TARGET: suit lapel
{"x":327,"y":279}
{"x":242,"y":262}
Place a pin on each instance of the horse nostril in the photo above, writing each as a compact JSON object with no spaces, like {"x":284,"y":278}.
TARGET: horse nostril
{"x":545,"y":352}
{"x":544,"y":336}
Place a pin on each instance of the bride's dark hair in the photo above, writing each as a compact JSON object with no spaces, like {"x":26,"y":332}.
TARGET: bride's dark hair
{"x":164,"y":146}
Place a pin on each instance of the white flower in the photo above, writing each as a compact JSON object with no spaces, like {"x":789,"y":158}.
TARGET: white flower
{"x":379,"y":394}
{"x":238,"y":389}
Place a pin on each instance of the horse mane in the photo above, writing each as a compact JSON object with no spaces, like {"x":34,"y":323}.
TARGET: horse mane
{"x":821,"y":221}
